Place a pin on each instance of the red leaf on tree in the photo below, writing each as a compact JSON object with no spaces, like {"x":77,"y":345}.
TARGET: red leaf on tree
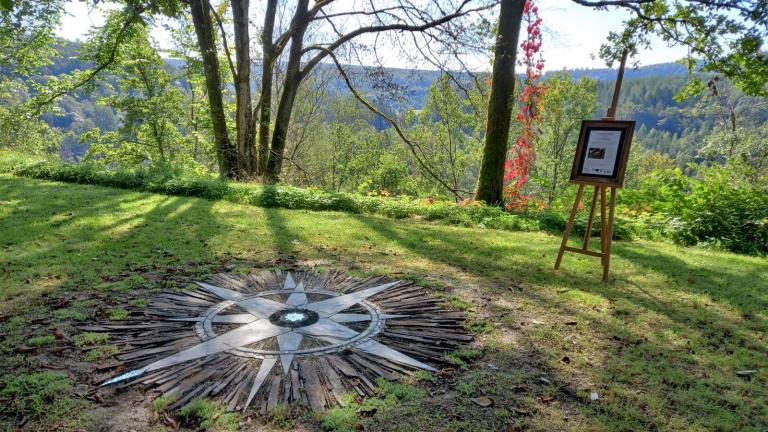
{"x":523,"y":153}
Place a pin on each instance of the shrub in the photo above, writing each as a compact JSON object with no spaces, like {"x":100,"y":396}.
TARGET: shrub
{"x":716,"y":207}
{"x":722,"y":211}
{"x":172,"y":182}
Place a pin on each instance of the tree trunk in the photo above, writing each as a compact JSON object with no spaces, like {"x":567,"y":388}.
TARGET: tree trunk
{"x":293,"y":79}
{"x":225,"y":152}
{"x":245,"y":138}
{"x":267,"y":75}
{"x":490,"y":184}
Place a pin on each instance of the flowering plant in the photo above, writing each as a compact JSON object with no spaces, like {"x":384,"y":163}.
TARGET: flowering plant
{"x":523,"y":153}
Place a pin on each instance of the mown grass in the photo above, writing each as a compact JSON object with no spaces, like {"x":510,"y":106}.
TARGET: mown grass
{"x":660,"y":344}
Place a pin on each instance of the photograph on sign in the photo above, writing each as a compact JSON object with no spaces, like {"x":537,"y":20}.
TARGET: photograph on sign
{"x":602,"y":152}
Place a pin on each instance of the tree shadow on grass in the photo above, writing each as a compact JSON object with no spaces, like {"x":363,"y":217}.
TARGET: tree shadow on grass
{"x":723,"y":284}
{"x":72,"y":237}
{"x":654,"y":376}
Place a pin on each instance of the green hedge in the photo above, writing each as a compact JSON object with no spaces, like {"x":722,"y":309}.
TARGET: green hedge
{"x":281,"y":196}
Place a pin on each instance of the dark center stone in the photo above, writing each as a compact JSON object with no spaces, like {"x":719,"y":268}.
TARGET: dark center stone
{"x":294,"y":318}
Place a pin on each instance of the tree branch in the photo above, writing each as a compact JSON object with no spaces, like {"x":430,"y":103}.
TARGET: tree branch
{"x":411,"y":145}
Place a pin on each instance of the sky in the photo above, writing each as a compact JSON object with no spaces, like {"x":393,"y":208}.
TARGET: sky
{"x":572,"y":35}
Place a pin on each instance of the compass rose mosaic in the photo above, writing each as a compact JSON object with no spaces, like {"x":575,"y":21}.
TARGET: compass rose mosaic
{"x":283,"y":337}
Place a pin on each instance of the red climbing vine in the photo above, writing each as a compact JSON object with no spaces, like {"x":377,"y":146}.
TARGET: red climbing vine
{"x":523,"y":153}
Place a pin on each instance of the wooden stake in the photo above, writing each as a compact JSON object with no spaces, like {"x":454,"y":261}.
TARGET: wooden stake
{"x":617,"y":88}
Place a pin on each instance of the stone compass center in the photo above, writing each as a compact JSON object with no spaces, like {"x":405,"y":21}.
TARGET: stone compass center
{"x":294,"y":318}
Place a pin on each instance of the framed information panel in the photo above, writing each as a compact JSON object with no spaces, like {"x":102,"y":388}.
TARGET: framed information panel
{"x":602,"y":152}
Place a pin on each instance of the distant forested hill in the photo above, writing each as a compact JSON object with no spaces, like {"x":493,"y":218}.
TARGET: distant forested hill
{"x":664,"y":125}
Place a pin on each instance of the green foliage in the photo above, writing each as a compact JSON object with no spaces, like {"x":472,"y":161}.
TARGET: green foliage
{"x":150,"y":103}
{"x":726,"y":39}
{"x":90,"y":338}
{"x":464,"y":355}
{"x":280,"y":417}
{"x":38,"y":341}
{"x":161,"y":403}
{"x":140,"y":302}
{"x":70,"y":314}
{"x":209,"y":415}
{"x":449,"y":137}
{"x":26,"y":33}
{"x":718,"y":208}
{"x":563,"y":106}
{"x":34,"y":394}
{"x":340,"y":419}
{"x":281,"y":196}
{"x":729,"y":215}
{"x":117,"y":314}
{"x":390,"y":394}
{"x":101,"y":353}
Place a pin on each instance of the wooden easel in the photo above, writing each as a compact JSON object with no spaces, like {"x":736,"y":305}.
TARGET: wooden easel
{"x":606,"y":226}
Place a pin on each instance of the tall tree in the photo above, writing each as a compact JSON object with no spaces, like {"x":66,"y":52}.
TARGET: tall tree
{"x":490,"y":184}
{"x":226,"y":153}
{"x":269,"y":57}
{"x":292,"y":80}
{"x":243,"y":114}
{"x":723,"y":36}
{"x":430,"y":18}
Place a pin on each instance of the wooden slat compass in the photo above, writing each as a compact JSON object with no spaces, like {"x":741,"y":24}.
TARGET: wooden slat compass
{"x":601,"y":160}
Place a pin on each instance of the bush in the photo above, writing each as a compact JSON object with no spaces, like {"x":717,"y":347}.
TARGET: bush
{"x":721,"y":211}
{"x":716,"y":208}
{"x":171,"y":182}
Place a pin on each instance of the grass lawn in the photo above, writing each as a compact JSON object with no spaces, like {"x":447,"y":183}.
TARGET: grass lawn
{"x":657,"y":348}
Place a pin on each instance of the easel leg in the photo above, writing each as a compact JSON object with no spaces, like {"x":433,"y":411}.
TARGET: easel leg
{"x":588,"y":231}
{"x":603,"y":221}
{"x":609,"y":235}
{"x":569,"y":226}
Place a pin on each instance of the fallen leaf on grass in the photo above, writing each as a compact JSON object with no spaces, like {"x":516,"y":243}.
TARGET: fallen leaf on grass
{"x":483,"y":401}
{"x":448,"y":371}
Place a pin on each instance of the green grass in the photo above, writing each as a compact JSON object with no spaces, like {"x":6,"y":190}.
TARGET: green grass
{"x":41,"y":396}
{"x":90,"y":338}
{"x":101,"y":353}
{"x":161,"y":403}
{"x":41,"y":341}
{"x":117,"y":314}
{"x":209,"y":416}
{"x":660,"y":343}
{"x":283,"y":196}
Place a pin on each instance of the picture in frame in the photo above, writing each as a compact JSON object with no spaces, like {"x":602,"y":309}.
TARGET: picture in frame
{"x":602,"y":152}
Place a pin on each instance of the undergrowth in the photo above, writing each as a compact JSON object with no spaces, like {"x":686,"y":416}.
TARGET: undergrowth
{"x":171,"y":182}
